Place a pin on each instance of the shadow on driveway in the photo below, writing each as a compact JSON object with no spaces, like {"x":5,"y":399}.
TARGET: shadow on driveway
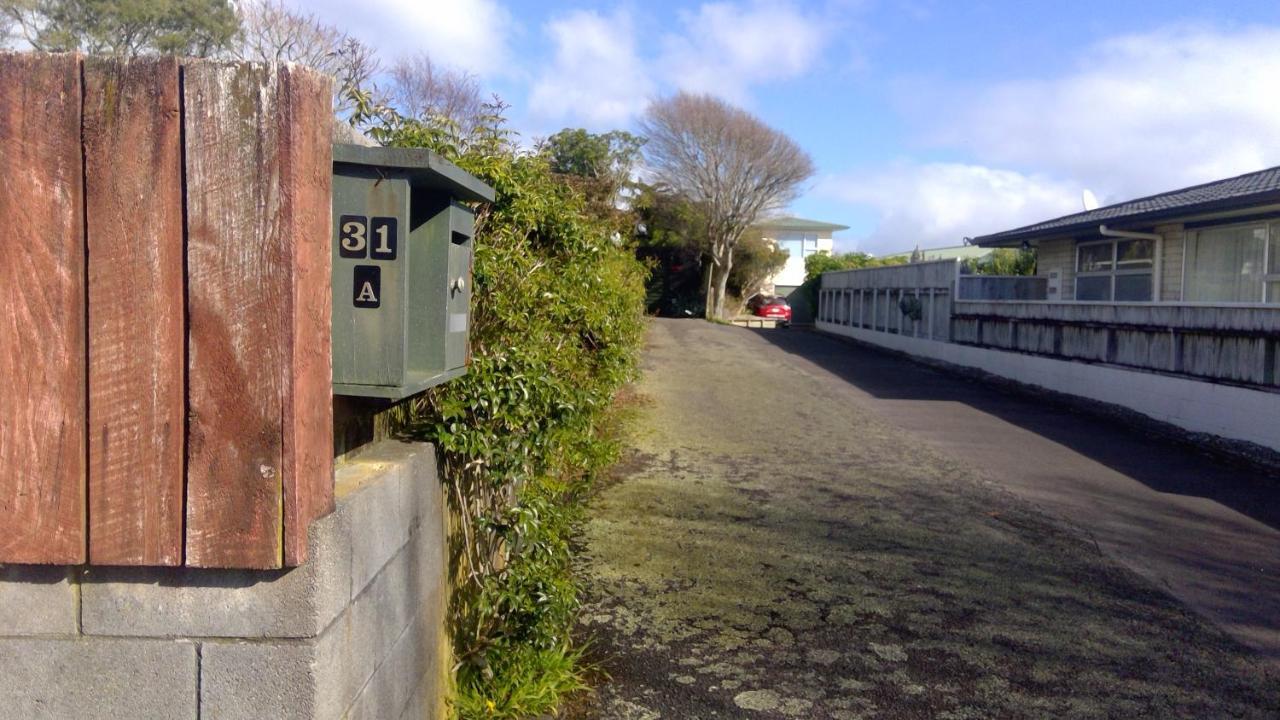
{"x":1136,"y":452}
{"x":1200,"y":524}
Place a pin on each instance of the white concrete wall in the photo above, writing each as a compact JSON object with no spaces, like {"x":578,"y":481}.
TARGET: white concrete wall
{"x":1230,"y":412}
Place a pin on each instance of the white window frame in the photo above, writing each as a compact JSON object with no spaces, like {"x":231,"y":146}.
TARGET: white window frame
{"x":1115,"y":269}
{"x":1268,"y":279}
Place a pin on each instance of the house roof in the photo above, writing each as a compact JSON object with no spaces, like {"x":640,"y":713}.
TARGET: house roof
{"x":795,"y":223}
{"x":1256,"y":188}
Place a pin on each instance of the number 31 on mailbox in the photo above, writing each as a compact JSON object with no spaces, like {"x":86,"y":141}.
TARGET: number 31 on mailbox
{"x":402,"y":252}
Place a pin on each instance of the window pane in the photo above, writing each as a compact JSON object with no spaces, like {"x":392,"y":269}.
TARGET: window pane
{"x":1225,"y":264}
{"x":1093,"y":288}
{"x":1273,"y":293}
{"x":1133,"y":288}
{"x":1094,"y":258}
{"x":1134,"y":254}
{"x":1273,"y":255}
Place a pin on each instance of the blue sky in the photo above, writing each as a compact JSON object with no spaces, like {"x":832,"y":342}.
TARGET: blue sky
{"x":929,"y":121}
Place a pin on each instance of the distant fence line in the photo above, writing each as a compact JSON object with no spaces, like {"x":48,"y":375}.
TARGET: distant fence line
{"x":913,"y":299}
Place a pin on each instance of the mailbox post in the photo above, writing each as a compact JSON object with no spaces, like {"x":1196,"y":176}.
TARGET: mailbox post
{"x":402,"y":254}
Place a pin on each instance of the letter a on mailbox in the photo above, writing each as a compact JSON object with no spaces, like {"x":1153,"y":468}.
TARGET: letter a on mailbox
{"x":367,"y":286}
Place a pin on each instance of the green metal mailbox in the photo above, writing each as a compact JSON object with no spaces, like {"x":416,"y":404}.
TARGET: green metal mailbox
{"x":402,"y":253}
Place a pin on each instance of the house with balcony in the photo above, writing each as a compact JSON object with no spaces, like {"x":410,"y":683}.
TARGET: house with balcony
{"x":800,"y":238}
{"x":1168,"y":305}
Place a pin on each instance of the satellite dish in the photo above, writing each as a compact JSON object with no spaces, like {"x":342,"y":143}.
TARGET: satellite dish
{"x":1089,"y":199}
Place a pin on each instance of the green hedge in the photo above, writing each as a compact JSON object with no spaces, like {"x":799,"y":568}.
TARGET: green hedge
{"x":557,"y":325}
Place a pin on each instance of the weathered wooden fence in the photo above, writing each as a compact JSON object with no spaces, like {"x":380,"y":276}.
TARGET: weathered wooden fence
{"x":1210,"y":342}
{"x":1220,"y":343}
{"x":164,"y":311}
{"x":912,"y":299}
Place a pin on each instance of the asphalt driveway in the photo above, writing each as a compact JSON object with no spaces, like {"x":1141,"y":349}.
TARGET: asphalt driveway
{"x":806,"y":529}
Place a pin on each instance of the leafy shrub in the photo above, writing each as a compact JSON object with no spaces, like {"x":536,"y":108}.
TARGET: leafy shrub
{"x":1002,"y":261}
{"x":819,"y":263}
{"x":557,"y":323}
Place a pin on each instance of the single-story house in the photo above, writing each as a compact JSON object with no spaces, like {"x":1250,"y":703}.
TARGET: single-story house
{"x":1213,"y":243}
{"x":800,"y":238}
{"x":1168,"y":305}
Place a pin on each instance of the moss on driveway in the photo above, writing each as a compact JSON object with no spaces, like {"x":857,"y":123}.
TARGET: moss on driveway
{"x":771,"y":549}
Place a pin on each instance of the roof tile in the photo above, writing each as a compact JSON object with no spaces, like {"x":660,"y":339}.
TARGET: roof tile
{"x":1191,"y":198}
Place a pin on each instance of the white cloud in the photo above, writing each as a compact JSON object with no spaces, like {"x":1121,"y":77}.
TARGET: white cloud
{"x":938,"y":204}
{"x":724,"y":48}
{"x":600,"y":76}
{"x":1136,"y":115}
{"x":1139,"y":113}
{"x":596,"y":76}
{"x":473,"y":35}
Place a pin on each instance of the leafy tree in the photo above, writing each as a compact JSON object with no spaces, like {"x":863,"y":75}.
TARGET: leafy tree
{"x":125,"y":27}
{"x":609,"y":155}
{"x":819,"y":263}
{"x":666,"y":219}
{"x":728,"y":161}
{"x":599,"y":164}
{"x":272,"y":32}
{"x":670,"y":234}
{"x":755,"y":261}
{"x":1003,"y":261}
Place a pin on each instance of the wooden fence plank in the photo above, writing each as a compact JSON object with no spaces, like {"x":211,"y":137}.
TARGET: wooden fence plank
{"x":42,"y":311}
{"x":238,"y":302}
{"x":133,"y":199}
{"x":306,"y":161}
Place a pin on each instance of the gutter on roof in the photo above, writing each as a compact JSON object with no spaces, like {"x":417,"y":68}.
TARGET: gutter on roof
{"x":1105,"y":231}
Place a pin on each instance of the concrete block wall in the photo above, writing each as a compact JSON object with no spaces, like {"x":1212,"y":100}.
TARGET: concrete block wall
{"x":357,"y":632}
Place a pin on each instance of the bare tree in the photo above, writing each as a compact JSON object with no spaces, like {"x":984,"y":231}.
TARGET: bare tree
{"x":730,"y":162}
{"x":271,"y":32}
{"x":423,"y":90}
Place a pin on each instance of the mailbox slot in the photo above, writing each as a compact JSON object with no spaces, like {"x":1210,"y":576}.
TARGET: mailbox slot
{"x":402,"y":258}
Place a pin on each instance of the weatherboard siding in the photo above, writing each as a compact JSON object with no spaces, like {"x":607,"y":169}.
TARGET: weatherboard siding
{"x":1058,"y":254}
{"x":1171,"y":261}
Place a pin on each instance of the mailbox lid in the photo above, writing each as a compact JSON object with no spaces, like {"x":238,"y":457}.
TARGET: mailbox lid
{"x":421,"y":167}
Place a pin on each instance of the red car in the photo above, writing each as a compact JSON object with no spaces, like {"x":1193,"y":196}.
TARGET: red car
{"x":772,"y":307}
